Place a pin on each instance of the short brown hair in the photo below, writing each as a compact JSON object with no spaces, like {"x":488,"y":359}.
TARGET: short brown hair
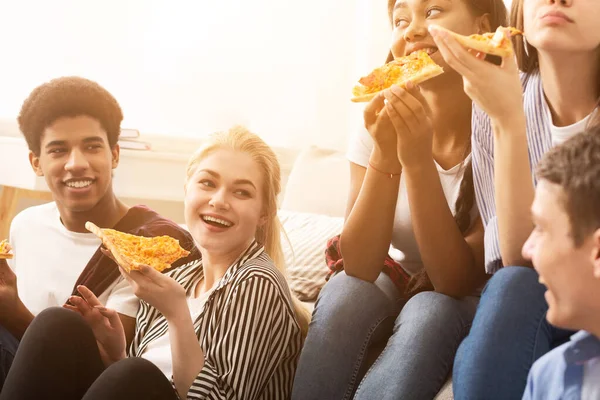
{"x":69,"y":96}
{"x":575,"y":166}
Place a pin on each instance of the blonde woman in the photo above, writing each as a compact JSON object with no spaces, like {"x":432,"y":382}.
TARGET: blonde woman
{"x":224,"y":327}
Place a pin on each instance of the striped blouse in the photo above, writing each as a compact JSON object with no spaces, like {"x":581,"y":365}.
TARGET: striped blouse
{"x":248,"y":330}
{"x":539,"y":140}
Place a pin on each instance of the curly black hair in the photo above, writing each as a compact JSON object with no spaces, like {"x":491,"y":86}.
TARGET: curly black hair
{"x":69,"y":96}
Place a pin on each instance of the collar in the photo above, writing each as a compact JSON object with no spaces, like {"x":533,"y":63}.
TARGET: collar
{"x":583,"y":347}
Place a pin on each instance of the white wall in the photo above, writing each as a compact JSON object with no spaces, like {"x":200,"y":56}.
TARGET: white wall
{"x":188,"y":67}
{"x":283,"y":68}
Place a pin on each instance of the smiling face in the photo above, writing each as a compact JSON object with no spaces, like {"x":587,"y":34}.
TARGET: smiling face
{"x":411,"y":19}
{"x":224,"y":202}
{"x":567,"y":270}
{"x":77,"y":162}
{"x":562,"y":26}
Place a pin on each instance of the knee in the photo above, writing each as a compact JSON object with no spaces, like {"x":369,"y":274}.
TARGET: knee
{"x":512,"y":278}
{"x":135,"y":367}
{"x":57,"y":318}
{"x":345,"y":298}
{"x":433,"y":310}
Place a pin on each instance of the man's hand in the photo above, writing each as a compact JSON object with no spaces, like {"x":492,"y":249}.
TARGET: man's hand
{"x":14,"y":316}
{"x":9,"y":296}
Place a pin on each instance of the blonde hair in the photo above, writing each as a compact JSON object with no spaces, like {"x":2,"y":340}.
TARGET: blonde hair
{"x":241,"y":139}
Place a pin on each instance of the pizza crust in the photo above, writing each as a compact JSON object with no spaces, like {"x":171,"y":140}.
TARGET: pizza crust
{"x":430,"y":71}
{"x":123,"y":261}
{"x":488,"y":47}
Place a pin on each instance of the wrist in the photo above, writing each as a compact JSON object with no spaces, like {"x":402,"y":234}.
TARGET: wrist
{"x":510,"y":126}
{"x":387,"y":164}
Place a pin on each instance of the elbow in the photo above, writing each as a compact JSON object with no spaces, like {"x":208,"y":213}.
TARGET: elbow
{"x":354,"y":265}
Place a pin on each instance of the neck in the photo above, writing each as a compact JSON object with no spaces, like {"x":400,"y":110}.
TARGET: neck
{"x":105,"y":214}
{"x":215,"y":265}
{"x":451,"y":118}
{"x":570,"y":84}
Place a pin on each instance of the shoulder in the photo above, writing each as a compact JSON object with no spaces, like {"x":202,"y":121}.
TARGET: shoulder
{"x":260,"y":271}
{"x":34,"y":216}
{"x":551,"y":366}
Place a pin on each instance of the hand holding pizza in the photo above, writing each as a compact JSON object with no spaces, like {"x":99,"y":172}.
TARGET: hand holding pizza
{"x":105,"y":323}
{"x":160,"y":291}
{"x":381,"y":129}
{"x":410,"y":114}
{"x":495,"y":88}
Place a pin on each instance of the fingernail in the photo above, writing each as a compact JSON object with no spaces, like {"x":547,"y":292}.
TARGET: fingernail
{"x":100,"y":308}
{"x":410,"y":85}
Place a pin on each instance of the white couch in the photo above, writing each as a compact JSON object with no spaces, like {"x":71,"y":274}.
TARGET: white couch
{"x":312,"y":210}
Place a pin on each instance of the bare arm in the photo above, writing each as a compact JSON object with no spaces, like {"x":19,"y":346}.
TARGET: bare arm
{"x":17,"y":321}
{"x":14,"y":316}
{"x":186,"y":353}
{"x":367,"y":232}
{"x":453,"y":263}
{"x":514,"y":188}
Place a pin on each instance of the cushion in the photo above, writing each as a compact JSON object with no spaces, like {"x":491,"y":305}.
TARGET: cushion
{"x":318,"y":183}
{"x":304,"y":250}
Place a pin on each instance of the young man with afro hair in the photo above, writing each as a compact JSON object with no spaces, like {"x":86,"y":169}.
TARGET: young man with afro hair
{"x":72,"y":126}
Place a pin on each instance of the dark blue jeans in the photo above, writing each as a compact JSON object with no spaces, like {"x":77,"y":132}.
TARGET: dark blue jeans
{"x":508,"y":334}
{"x":8,"y":348}
{"x":353,"y":317}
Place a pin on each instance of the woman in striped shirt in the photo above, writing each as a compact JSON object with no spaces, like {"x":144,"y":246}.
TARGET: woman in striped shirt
{"x":515,"y":121}
{"x":226,"y":327}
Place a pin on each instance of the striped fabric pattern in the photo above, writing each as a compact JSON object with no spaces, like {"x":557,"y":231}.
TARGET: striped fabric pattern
{"x":248,"y":331}
{"x":539,"y":140}
{"x":305,"y":250}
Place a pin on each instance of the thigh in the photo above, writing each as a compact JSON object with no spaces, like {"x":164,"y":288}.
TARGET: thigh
{"x":419,"y":355}
{"x":509,"y":333}
{"x":58,"y":356}
{"x":131,"y":378}
{"x":349,"y":316}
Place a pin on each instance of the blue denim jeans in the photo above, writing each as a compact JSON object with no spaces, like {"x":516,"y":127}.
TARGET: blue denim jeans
{"x":509,"y":333}
{"x":353,"y":316}
{"x":8,"y":348}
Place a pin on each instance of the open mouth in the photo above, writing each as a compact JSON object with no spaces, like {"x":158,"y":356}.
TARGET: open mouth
{"x":79,"y":183}
{"x":216,"y":221}
{"x":428,"y":50}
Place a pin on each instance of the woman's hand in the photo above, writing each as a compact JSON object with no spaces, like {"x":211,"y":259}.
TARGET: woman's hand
{"x":160,"y":291}
{"x":105,"y":323}
{"x":381,"y":129}
{"x":409,"y":113}
{"x":496,"y":89}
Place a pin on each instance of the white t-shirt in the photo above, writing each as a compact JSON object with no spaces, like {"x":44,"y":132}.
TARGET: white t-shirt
{"x":159,"y":351}
{"x":404,"y":244}
{"x":560,"y":134}
{"x":48,"y":259}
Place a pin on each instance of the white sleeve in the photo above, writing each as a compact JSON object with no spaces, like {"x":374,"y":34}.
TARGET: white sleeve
{"x":360,"y":148}
{"x":122,"y":300}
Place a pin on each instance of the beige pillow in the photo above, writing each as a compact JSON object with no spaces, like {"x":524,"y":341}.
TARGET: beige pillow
{"x":305,"y":251}
{"x":318,"y":183}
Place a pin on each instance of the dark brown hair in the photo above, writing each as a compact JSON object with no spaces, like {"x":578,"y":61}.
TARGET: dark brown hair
{"x":496,"y":10}
{"x":575,"y":166}
{"x":68,"y":97}
{"x":527,"y":55}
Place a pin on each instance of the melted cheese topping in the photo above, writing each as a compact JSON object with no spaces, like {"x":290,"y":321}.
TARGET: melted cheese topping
{"x":158,"y":252}
{"x":399,"y":70}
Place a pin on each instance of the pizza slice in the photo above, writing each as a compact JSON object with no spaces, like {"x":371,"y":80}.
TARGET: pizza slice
{"x":496,"y":43}
{"x":416,"y":68}
{"x":5,"y":250}
{"x":131,"y":251}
